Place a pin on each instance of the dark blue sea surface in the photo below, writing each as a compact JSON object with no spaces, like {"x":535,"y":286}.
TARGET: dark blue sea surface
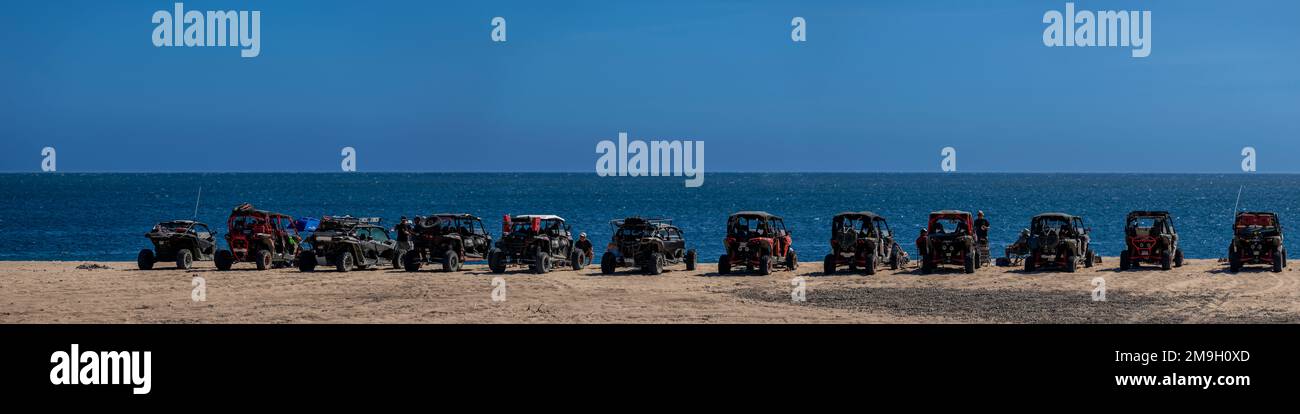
{"x":62,"y":216}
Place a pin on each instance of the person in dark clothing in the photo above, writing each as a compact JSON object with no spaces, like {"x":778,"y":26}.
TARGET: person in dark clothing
{"x":584,"y":244}
{"x":981,"y":227}
{"x":921,"y":245}
{"x":403,"y":231}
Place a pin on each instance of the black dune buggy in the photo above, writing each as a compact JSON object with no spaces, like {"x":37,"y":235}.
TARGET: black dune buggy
{"x":650,"y":244}
{"x":540,"y":242}
{"x":1256,"y":239}
{"x":180,"y":241}
{"x":1059,"y":240}
{"x":348,"y":243}
{"x":447,"y":239}
{"x":862,"y":240}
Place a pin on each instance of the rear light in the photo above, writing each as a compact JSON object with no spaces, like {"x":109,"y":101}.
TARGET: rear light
{"x":505,"y":225}
{"x":835,"y":242}
{"x":537,"y":224}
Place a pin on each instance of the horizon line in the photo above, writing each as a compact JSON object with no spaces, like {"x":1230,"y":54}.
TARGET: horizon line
{"x":706,"y":173}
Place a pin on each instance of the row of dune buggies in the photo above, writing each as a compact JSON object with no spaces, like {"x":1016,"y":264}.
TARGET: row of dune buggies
{"x":269,"y":240}
{"x":540,"y":242}
{"x":756,"y":241}
{"x":862,"y":241}
{"x":1149,"y":238}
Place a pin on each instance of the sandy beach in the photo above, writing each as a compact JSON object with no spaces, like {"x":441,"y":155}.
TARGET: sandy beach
{"x":116,"y":292}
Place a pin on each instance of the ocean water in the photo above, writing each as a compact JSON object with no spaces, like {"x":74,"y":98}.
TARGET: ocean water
{"x":63,"y":216}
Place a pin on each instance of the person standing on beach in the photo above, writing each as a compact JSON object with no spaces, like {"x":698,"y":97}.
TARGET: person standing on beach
{"x":922,"y":243}
{"x":403,"y":231}
{"x":982,"y":236}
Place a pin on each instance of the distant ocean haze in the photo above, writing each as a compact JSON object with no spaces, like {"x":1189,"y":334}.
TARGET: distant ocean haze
{"x":103,"y":217}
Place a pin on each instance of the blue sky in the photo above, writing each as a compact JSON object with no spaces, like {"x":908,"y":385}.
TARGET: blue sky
{"x":878,"y":86}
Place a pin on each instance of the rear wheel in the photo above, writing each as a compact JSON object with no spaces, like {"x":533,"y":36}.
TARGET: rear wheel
{"x":411,"y":261}
{"x":765,"y":265}
{"x":724,"y":265}
{"x":969,"y":261}
{"x":927,"y":266}
{"x":1234,"y":261}
{"x":306,"y":261}
{"x":450,"y":261}
{"x":656,"y":265}
{"x":1166,"y":260}
{"x":263,"y":259}
{"x":145,"y":259}
{"x":579,"y":260}
{"x":1123,"y":260}
{"x":184,"y":259}
{"x":496,"y":261}
{"x":792,"y":260}
{"x":1071,"y":262}
{"x":607,"y":264}
{"x":895,"y":260}
{"x":541,"y":263}
{"x":690,"y":259}
{"x":870,"y":267}
{"x":398,"y":259}
{"x":1088,"y":260}
{"x":1031,"y":262}
{"x":344,"y":262}
{"x":224,"y":259}
{"x":1178,"y":258}
{"x":828,"y":264}
{"x":1279,"y":260}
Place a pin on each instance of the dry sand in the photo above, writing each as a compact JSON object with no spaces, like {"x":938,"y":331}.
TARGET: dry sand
{"x":1200,"y":292}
